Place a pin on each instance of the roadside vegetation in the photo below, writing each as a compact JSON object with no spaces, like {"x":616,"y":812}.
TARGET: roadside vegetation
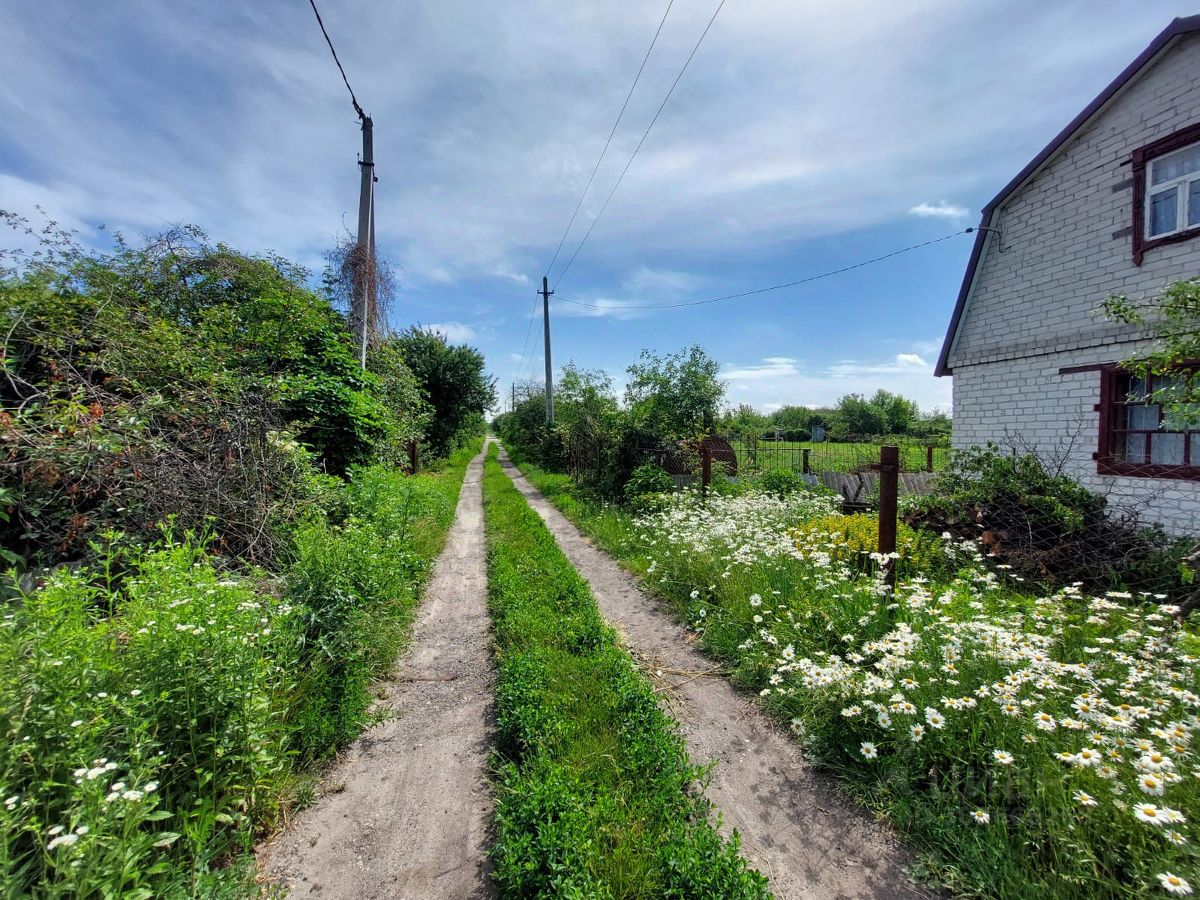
{"x":1029,"y":740}
{"x":672,"y":401}
{"x":595,"y":795}
{"x":212,"y":554}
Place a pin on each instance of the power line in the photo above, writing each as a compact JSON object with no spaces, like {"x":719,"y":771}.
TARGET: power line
{"x":646,"y":134}
{"x":528,"y":332}
{"x":777,"y":287}
{"x":353,"y":99}
{"x":599,"y":160}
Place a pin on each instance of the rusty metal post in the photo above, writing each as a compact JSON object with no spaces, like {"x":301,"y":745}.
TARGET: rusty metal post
{"x":804,"y":466}
{"x":705,"y":468}
{"x":889,"y":488}
{"x":929,"y":458}
{"x":412,"y":457}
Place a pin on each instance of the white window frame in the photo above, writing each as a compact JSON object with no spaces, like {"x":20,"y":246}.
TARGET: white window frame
{"x":1182,"y":194}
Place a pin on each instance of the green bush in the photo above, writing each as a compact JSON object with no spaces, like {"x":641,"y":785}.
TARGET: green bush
{"x":782,"y":482}
{"x":646,"y":480}
{"x":152,"y":722}
{"x":175,"y":378}
{"x":1050,"y":529}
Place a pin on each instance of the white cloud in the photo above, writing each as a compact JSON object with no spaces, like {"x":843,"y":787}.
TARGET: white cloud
{"x":941,"y":210}
{"x":455,"y":332}
{"x":603,"y":308}
{"x":772,"y":367}
{"x":771,"y":137}
{"x":777,"y":380}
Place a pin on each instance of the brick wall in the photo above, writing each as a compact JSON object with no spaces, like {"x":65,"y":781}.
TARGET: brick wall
{"x":1064,"y":246}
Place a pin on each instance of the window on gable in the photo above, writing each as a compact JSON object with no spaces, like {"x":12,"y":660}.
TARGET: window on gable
{"x":1173,"y":192}
{"x":1166,"y":191}
{"x":1138,"y":437}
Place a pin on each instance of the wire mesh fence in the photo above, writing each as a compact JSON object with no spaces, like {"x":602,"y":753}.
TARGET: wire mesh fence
{"x":850,"y":469}
{"x":756,"y":455}
{"x":1033,"y":516}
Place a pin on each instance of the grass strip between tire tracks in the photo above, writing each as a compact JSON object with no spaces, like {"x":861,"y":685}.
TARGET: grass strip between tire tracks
{"x":595,"y":795}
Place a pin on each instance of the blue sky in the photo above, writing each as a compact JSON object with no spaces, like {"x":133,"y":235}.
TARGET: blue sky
{"x":804,"y":137}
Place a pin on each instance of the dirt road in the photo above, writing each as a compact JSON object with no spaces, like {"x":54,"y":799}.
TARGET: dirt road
{"x":795,"y":829}
{"x":405,"y":814}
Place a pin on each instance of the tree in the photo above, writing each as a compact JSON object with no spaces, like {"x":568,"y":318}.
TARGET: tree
{"x":675,"y":396}
{"x":1172,"y":319}
{"x":855,"y":415}
{"x":453,"y":382}
{"x":898,"y":414}
{"x":792,"y":418}
{"x":584,"y":400}
{"x":744,"y":420}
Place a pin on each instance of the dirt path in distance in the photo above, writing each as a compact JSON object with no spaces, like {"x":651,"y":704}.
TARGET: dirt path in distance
{"x":405,"y":814}
{"x":795,"y":829}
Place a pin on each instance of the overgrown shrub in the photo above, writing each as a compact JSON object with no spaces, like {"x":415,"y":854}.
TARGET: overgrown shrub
{"x":646,"y":480}
{"x":781,"y":482}
{"x":172,"y":378}
{"x":1049,"y":528}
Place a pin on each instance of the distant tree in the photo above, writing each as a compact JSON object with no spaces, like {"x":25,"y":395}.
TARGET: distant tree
{"x":792,"y":418}
{"x":453,"y":381}
{"x":745,"y":419}
{"x":584,"y":399}
{"x":855,"y":415}
{"x":897,"y":413}
{"x":677,"y":395}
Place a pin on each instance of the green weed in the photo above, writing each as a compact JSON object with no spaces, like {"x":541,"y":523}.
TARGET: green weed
{"x":595,"y":793}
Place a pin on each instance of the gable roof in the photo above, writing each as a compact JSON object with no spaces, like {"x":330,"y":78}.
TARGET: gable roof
{"x":1178,"y":28}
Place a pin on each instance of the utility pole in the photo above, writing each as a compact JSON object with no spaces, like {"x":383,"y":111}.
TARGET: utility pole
{"x":513,"y":407}
{"x":364,"y":263}
{"x":546,"y":292}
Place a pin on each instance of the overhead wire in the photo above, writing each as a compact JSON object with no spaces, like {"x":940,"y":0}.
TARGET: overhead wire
{"x":645,"y":135}
{"x":358,"y":109}
{"x":611,"y":133}
{"x":524,"y":346}
{"x":774,"y":287}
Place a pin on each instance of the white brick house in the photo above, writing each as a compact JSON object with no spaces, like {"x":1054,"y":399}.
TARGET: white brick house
{"x":1111,"y":205}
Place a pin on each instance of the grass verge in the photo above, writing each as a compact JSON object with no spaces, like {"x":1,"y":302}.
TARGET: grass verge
{"x":154,"y":724}
{"x":595,"y":796}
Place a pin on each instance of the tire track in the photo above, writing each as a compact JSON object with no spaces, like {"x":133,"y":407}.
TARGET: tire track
{"x":406,"y":813}
{"x":794,"y":827}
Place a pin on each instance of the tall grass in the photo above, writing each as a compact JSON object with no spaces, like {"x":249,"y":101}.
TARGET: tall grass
{"x":595,"y":793}
{"x":153,"y":725}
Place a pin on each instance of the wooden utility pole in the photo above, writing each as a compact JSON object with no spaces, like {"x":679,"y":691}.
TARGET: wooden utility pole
{"x":364,"y":263}
{"x":513,"y":406}
{"x":546,"y":292}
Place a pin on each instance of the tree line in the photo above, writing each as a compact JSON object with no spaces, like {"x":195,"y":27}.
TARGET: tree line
{"x":672,"y":400}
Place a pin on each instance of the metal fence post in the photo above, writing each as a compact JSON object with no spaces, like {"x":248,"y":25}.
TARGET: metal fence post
{"x":889,"y":470}
{"x":804,"y":464}
{"x":705,"y":468}
{"x":929,"y":458}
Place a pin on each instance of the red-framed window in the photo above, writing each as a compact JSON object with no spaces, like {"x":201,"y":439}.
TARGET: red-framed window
{"x":1166,"y":191}
{"x":1138,"y":437}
